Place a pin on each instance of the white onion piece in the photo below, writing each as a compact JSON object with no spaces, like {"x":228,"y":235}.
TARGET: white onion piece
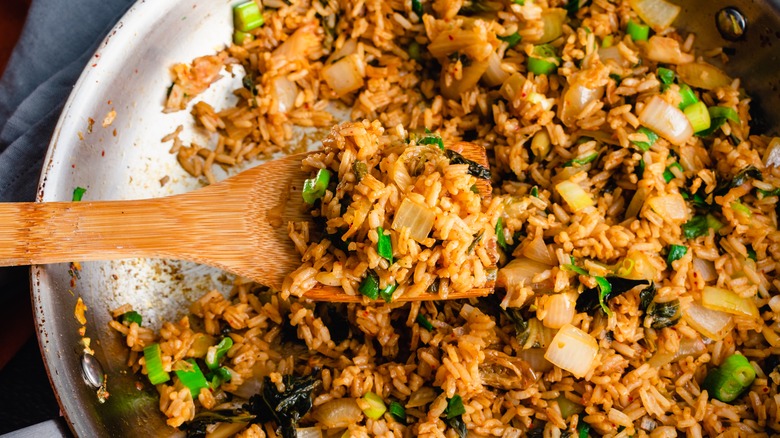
{"x":574,"y":195}
{"x":552,"y":25}
{"x":713,"y":324}
{"x":559,"y":310}
{"x":575,"y":98}
{"x":666,"y":50}
{"x":512,"y":87}
{"x":573,"y":350}
{"x":659,"y":14}
{"x":666,"y":120}
{"x":299,"y":45}
{"x":421,"y":397}
{"x":285,"y":92}
{"x":308,"y":432}
{"x":636,"y":203}
{"x":519,"y":272}
{"x":494,"y":75}
{"x":250,"y":387}
{"x":772,"y":153}
{"x":340,"y":412}
{"x":345,"y":75}
{"x":452,"y":89}
{"x":705,"y":268}
{"x":716,"y":298}
{"x":703,"y":75}
{"x":417,"y":218}
{"x":612,"y":53}
{"x":537,"y":250}
{"x":349,"y":47}
{"x":688,"y":347}
{"x":670,"y":206}
{"x":535,"y":359}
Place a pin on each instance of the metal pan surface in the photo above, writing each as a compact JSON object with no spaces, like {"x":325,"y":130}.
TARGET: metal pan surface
{"x":126,"y":160}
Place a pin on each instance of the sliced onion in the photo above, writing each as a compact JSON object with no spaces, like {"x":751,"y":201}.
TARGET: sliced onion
{"x":345,"y":75}
{"x":644,"y":268}
{"x":716,"y":298}
{"x":300,"y":44}
{"x":659,"y":14}
{"x":349,"y":47}
{"x":250,"y":387}
{"x":636,"y":203}
{"x":671,"y":206}
{"x":494,"y":75}
{"x":308,"y":432}
{"x":573,"y":350}
{"x":341,"y":412}
{"x":537,"y":250}
{"x":512,"y":87}
{"x":703,"y":75}
{"x":520,"y":272}
{"x":452,"y":89}
{"x":666,"y":120}
{"x":417,"y":218}
{"x":465,"y":41}
{"x":421,"y":397}
{"x":535,"y":359}
{"x":772,"y":153}
{"x":285,"y":92}
{"x":575,"y":98}
{"x":574,"y":195}
{"x":552,"y":25}
{"x":705,"y":268}
{"x":666,"y":50}
{"x":713,"y":324}
{"x":559,"y":310}
{"x":688,"y":347}
{"x":612,"y":53}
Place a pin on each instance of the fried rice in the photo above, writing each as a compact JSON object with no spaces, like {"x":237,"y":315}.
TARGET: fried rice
{"x":636,"y":260}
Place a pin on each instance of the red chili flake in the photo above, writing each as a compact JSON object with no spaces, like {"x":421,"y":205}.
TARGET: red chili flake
{"x":452,"y":38}
{"x":102,"y":153}
{"x":73,"y":166}
{"x":94,"y":65}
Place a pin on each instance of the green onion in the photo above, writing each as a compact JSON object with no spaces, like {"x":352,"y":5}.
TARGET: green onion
{"x":191,"y":376}
{"x":376,"y":406}
{"x":519,"y":2}
{"x":370,"y":285}
{"x":543,"y":60}
{"x":387,"y":292}
{"x":699,"y":226}
{"x":640,"y":168}
{"x":652,"y":137}
{"x":239,"y":38}
{"x":431,"y":138}
{"x":583,"y":430}
{"x":581,"y":161}
{"x":535,"y":191}
{"x":687,"y":96}
{"x":615,"y":77}
{"x":730,"y":379}
{"x":417,"y":8}
{"x":247,"y":16}
{"x":698,"y":115}
{"x":384,"y":246}
{"x":676,"y":252}
{"x":314,"y":188}
{"x":665,"y":75}
{"x":512,"y":40}
{"x":725,"y":112}
{"x":424,"y":323}
{"x":414,"y":51}
{"x":669,"y":175}
{"x":474,"y":189}
{"x":397,"y":411}
{"x":574,"y":268}
{"x":604,"y":290}
{"x":154,"y":366}
{"x":751,"y":253}
{"x":455,"y":407}
{"x":741,"y":208}
{"x":500,"y":237}
{"x":78,"y":193}
{"x":218,"y":377}
{"x":131,"y":317}
{"x":607,"y":41}
{"x":637,"y":32}
{"x":216,"y":353}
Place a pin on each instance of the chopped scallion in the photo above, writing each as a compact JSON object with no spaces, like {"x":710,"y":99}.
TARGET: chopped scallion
{"x":676,"y":252}
{"x":665,"y":75}
{"x":247,"y":16}
{"x":669,"y":174}
{"x":700,"y":225}
{"x":414,"y":51}
{"x":640,"y":168}
{"x":191,"y":376}
{"x":397,"y":411}
{"x":519,"y":2}
{"x":239,"y":38}
{"x":154,"y":366}
{"x":384,"y":246}
{"x":698,"y":115}
{"x":431,"y":138}
{"x":751,"y":253}
{"x":687,"y":96}
{"x":607,"y":41}
{"x":424,"y":323}
{"x":500,"y":237}
{"x":417,"y":7}
{"x":370,"y":285}
{"x":582,"y":161}
{"x":131,"y":317}
{"x":543,"y":60}
{"x":535,"y":191}
{"x":216,"y":353}
{"x":376,"y":406}
{"x":723,"y":112}
{"x":314,"y":188}
{"x":512,"y":39}
{"x":637,"y":31}
{"x":730,"y":379}
{"x":583,"y":430}
{"x":652,"y":137}
{"x":605,"y":288}
{"x":78,"y":193}
{"x":387,"y":292}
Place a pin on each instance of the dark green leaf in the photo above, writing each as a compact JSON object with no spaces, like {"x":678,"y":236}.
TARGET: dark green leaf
{"x":664,"y":314}
{"x":676,"y":252}
{"x":695,"y":227}
{"x":458,"y":426}
{"x":284,"y":408}
{"x":575,"y":5}
{"x":417,"y":7}
{"x":475,"y":168}
{"x":646,"y":296}
{"x":384,"y":245}
{"x":751,"y":253}
{"x":454,"y":407}
{"x":535,"y":191}
{"x":591,"y":299}
{"x":361,"y":169}
{"x":249,"y":83}
{"x":745,"y":175}
{"x":640,"y":168}
{"x":196,"y":428}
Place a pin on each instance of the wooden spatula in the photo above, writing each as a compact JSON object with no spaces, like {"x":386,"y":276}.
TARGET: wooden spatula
{"x":239,"y":225}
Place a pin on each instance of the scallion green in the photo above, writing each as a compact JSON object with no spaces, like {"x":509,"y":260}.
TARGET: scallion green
{"x":676,"y":252}
{"x":216,"y":353}
{"x":370,"y":285}
{"x":417,"y":8}
{"x":239,"y":38}
{"x":535,"y":191}
{"x":397,"y":411}
{"x":424,"y":323}
{"x":314,"y":188}
{"x":730,"y":379}
{"x":669,"y":174}
{"x":687,"y":97}
{"x":723,"y":112}
{"x":698,"y":115}
{"x":665,"y":75}
{"x":637,"y":31}
{"x":191,"y":376}
{"x":500,"y":237}
{"x":384,"y":246}
{"x":247,"y":16}
{"x":387,"y":292}
{"x":607,"y":41}
{"x":414,"y":51}
{"x":154,"y":366}
{"x":512,"y":40}
{"x":652,"y":137}
{"x":605,"y":288}
{"x":78,"y":193}
{"x":431,"y":138}
{"x":582,"y":161}
{"x":751,"y":253}
{"x":131,"y":317}
{"x":543,"y":60}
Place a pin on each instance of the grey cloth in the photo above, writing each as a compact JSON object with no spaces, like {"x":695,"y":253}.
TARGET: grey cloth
{"x":58,"y":39}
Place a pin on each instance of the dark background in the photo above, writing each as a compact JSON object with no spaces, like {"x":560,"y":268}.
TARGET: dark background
{"x":26,"y":396}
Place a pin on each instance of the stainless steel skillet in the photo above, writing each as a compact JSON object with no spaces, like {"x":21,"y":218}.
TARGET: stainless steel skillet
{"x":126,"y":160}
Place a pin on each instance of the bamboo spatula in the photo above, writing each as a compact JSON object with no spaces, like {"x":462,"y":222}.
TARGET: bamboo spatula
{"x":239,"y":225}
